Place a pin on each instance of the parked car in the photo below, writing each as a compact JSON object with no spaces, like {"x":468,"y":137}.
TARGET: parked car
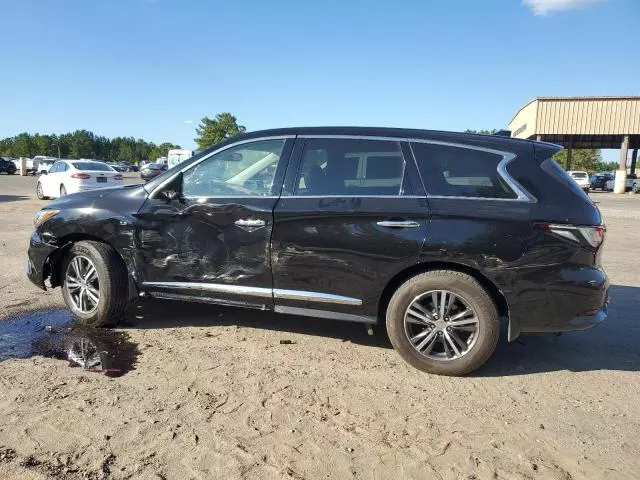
{"x":151,"y":170}
{"x":31,"y":165}
{"x":436,"y":234}
{"x":7,"y":166}
{"x":118,"y":167}
{"x":599,"y":180}
{"x":581,"y":178}
{"x":629,"y":184}
{"x":72,"y":176}
{"x":45,"y":165}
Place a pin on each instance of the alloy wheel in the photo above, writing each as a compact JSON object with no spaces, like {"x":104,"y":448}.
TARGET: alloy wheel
{"x":81,"y":280}
{"x":441,"y":325}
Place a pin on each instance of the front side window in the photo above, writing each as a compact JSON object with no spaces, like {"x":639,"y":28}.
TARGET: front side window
{"x":460,"y":172}
{"x":350,"y":167}
{"x":243,"y":170}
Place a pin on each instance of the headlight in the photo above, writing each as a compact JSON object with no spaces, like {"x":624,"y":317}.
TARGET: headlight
{"x":44,"y":215}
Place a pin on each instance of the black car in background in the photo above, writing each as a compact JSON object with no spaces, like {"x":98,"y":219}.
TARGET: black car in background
{"x":7,"y":166}
{"x":599,"y":180}
{"x":437,"y":235}
{"x":151,"y":170}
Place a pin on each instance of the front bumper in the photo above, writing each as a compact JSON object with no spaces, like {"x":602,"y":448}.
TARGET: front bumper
{"x":35,"y":266}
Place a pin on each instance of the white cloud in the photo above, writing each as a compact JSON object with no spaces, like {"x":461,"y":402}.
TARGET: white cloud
{"x":543,"y":7}
{"x":187,"y":121}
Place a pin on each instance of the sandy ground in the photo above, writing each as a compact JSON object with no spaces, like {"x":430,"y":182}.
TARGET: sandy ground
{"x":214,"y":394}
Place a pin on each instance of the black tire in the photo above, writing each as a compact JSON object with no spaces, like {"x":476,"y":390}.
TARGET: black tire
{"x":112,"y":281}
{"x":63,"y":191}
{"x":11,"y":171}
{"x":462,"y":285}
{"x":39,"y":192}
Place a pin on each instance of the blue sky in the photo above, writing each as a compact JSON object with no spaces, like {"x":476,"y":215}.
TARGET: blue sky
{"x":146,"y":68}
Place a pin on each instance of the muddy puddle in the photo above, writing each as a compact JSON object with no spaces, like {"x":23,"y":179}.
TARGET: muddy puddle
{"x":54,"y":333}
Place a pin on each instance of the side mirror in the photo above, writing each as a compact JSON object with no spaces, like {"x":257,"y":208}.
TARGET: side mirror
{"x":171,"y":195}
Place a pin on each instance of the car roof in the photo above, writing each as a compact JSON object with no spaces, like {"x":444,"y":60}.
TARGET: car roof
{"x":379,"y":132}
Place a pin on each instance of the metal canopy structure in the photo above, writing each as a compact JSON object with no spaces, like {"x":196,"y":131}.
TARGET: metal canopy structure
{"x":583,"y":122}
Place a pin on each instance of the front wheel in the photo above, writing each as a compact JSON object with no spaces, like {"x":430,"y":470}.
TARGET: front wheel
{"x":39,"y":192}
{"x":95,"y":283}
{"x":443,"y":322}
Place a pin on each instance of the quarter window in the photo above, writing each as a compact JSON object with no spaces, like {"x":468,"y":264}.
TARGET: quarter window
{"x":242,"y":171}
{"x":460,"y":172}
{"x":350,"y":167}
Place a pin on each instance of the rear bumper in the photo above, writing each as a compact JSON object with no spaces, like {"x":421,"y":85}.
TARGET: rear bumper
{"x":559,"y":300}
{"x":35,"y":266}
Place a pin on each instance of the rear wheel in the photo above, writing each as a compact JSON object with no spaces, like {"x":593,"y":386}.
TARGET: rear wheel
{"x":63,"y":191}
{"x":39,"y":192}
{"x":95,"y":283}
{"x":443,"y":322}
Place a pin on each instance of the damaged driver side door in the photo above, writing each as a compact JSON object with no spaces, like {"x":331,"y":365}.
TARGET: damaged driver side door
{"x":206,"y":234}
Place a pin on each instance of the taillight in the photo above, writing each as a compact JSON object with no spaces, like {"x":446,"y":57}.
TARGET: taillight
{"x":118,"y":177}
{"x":593,"y":236}
{"x":82,"y":176}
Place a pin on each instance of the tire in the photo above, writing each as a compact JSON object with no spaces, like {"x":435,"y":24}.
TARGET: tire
{"x":111,"y":282}
{"x":481,"y":344}
{"x":63,"y":191}
{"x":39,"y":192}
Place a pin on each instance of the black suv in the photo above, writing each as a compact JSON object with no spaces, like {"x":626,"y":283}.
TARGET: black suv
{"x":436,"y":234}
{"x":7,"y":166}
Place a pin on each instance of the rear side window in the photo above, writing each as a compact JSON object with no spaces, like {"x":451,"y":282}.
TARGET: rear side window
{"x":450,"y":171}
{"x":350,"y":167}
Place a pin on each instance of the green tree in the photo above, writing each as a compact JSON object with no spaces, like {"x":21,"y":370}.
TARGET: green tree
{"x":23,"y":146}
{"x":586,"y":160}
{"x":606,"y":166}
{"x":212,"y":131}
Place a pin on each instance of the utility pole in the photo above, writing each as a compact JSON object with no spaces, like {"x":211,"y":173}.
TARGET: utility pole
{"x":619,"y":185}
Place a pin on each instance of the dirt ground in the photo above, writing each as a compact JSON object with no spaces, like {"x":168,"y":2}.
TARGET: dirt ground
{"x":215,"y":394}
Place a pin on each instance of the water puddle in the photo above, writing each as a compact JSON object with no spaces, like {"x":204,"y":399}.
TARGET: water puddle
{"x":54,"y":333}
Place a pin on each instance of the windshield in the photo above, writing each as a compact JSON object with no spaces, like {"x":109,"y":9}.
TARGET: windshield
{"x":92,"y":166}
{"x":579,"y":174}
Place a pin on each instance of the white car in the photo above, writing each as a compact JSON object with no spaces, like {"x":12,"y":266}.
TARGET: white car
{"x":581,"y":178}
{"x":629,"y":184}
{"x":72,"y":176}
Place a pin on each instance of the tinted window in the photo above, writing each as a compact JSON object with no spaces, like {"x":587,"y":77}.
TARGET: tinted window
{"x":350,"y":167}
{"x":460,"y":172}
{"x":92,"y":166}
{"x":243,"y":170}
{"x":579,"y":174}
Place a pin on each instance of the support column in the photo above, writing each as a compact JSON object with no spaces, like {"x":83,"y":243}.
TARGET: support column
{"x":621,"y":174}
{"x":569,"y":150}
{"x":634,"y":158}
{"x":538,"y":138}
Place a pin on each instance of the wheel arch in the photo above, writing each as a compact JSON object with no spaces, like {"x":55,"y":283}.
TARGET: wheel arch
{"x":56,"y":259}
{"x":494,"y":292}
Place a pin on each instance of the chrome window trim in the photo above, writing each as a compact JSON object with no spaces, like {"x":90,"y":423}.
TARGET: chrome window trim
{"x":152,"y":195}
{"x":276,"y":293}
{"x":522,"y":195}
{"x":353,"y":196}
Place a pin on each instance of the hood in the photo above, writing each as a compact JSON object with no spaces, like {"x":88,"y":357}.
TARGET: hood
{"x":102,"y":196}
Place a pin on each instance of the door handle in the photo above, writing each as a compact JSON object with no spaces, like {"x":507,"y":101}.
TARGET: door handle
{"x":250,"y":222}
{"x":399,"y":224}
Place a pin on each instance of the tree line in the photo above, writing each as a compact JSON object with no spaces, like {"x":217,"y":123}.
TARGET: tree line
{"x":83,"y":144}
